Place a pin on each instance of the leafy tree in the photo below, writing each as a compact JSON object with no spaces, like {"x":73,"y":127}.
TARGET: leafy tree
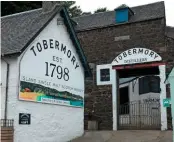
{"x":101,"y":10}
{"x":73,"y":10}
{"x":11,"y":7}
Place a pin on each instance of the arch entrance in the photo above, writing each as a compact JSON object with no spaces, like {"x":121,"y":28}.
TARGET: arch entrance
{"x":138,"y":89}
{"x":138,"y":102}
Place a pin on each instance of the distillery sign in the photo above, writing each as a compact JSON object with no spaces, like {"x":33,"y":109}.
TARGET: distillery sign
{"x":50,"y":72}
{"x":136,"y":55}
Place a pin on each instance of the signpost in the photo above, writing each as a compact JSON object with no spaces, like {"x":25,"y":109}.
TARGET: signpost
{"x":166,"y":102}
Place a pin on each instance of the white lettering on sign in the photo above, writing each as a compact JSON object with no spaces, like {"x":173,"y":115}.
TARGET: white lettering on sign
{"x":136,"y":55}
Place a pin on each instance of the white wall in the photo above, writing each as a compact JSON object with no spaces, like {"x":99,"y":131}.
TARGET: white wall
{"x":49,"y":123}
{"x":134,"y":92}
{"x":3,"y":86}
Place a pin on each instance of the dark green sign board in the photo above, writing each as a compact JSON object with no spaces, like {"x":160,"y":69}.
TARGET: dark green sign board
{"x":166,"y":102}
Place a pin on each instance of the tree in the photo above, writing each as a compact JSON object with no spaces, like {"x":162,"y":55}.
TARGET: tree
{"x":73,"y":10}
{"x":11,"y":7}
{"x":101,"y":10}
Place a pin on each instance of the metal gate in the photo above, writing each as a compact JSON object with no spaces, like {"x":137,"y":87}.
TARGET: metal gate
{"x":139,"y":115}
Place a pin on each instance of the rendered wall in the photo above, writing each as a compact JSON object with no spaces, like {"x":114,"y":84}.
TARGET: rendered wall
{"x":49,"y":122}
{"x":3,"y":86}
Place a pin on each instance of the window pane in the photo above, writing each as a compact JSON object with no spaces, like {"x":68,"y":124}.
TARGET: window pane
{"x":155,"y":84}
{"x":144,"y":85}
{"x":104,"y":75}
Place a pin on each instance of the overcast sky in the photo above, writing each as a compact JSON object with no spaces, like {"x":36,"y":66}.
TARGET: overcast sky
{"x":91,"y":5}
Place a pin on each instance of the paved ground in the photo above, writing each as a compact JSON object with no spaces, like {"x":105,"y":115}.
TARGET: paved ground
{"x":126,"y":136}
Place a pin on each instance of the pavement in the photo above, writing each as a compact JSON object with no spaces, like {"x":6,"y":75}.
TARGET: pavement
{"x":126,"y":136}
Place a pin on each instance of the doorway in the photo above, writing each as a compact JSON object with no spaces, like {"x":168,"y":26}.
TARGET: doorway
{"x":141,"y":113}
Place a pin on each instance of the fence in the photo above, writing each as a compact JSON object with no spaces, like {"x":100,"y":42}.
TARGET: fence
{"x":7,"y":130}
{"x":7,"y":122}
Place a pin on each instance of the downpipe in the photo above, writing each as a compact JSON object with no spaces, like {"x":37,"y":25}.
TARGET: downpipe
{"x":6,"y":92}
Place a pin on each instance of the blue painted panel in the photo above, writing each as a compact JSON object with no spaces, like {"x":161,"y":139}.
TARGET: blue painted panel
{"x":122,"y":15}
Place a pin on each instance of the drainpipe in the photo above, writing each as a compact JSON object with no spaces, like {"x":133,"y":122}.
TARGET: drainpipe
{"x":6,"y":92}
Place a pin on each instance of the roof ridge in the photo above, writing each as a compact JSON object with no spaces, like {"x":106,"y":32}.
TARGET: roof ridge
{"x":169,"y":26}
{"x":148,"y":4}
{"x":24,"y":12}
{"x":92,"y":14}
{"x":113,"y":10}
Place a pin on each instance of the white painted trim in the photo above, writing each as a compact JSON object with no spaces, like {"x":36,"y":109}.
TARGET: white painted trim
{"x":114,"y":98}
{"x":104,"y":66}
{"x":124,"y":85}
{"x":162,"y":75}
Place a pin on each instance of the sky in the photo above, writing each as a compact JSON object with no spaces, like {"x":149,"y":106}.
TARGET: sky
{"x":92,"y":5}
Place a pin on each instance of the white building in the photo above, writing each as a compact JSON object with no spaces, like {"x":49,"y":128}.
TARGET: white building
{"x":43,"y":70}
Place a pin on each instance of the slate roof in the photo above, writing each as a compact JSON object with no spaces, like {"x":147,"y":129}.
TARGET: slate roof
{"x":170,"y":32}
{"x":18,"y":29}
{"x":141,"y":13}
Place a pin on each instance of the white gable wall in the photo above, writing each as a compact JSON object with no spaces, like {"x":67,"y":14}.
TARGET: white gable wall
{"x":3,"y":86}
{"x":49,"y":123}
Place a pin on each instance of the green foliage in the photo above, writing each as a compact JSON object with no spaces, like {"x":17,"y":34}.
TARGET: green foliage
{"x":73,"y":10}
{"x":101,"y":10}
{"x":11,"y":7}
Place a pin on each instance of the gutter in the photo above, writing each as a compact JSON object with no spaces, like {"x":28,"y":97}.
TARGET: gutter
{"x":6,"y":92}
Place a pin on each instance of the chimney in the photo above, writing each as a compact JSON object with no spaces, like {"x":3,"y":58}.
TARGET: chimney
{"x":49,"y":5}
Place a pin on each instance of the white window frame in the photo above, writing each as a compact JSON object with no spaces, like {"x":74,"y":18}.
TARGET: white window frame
{"x":104,"y":66}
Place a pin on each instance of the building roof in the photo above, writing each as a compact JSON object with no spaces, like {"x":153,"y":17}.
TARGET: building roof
{"x":19,"y":30}
{"x":103,"y":19}
{"x":170,"y":32}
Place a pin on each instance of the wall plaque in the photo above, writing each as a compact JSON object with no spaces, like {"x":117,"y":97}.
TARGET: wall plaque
{"x":24,"y":118}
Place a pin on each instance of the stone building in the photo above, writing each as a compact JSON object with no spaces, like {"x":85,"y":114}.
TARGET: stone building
{"x":128,"y":42}
{"x":104,"y":36}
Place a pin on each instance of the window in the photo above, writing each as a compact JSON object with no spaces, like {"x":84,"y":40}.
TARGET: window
{"x":104,"y":75}
{"x":149,"y":84}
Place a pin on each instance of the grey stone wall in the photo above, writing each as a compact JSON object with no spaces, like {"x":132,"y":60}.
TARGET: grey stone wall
{"x":101,"y":46}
